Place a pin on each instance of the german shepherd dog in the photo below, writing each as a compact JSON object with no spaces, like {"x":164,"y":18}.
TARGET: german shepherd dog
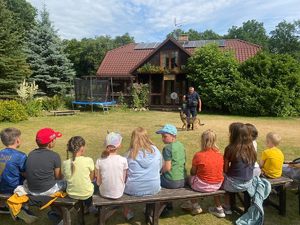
{"x":194,"y":122}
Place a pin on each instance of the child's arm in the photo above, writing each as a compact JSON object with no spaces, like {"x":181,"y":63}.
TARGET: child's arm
{"x":125,"y":175}
{"x":226,"y":165}
{"x":92,"y":175}
{"x":167,"y":166}
{"x":261,"y":163}
{"x":98,"y":177}
{"x":193,"y":171}
{"x":57,"y":174}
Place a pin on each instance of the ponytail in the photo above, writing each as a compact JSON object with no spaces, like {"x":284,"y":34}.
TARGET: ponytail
{"x":73,"y":146}
{"x":107,"y":151}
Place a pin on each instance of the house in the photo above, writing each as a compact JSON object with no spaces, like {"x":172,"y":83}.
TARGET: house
{"x":161,"y":65}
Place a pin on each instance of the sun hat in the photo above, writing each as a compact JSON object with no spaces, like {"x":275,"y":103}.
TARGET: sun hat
{"x":113,"y":139}
{"x":46,"y":135}
{"x":169,"y":129}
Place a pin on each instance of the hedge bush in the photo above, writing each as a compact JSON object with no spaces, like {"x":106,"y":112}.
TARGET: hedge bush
{"x":12,"y":111}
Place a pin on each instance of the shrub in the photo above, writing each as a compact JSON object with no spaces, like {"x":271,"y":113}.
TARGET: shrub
{"x":140,"y":95}
{"x":34,"y":107}
{"x":53,"y":103}
{"x":12,"y":111}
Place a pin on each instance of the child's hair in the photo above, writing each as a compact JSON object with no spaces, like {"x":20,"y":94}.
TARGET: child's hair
{"x":109,"y":149}
{"x":274,"y":138}
{"x":113,"y":141}
{"x":73,"y":146}
{"x":139,"y":141}
{"x":10,"y":135}
{"x":240,"y":144}
{"x":253,"y":131}
{"x":208,"y":140}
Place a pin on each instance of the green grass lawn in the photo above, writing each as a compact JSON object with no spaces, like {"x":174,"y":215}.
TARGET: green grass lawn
{"x":93,"y":127}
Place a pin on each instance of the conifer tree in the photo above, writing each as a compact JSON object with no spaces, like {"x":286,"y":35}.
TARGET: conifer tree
{"x":13,"y":66}
{"x":51,"y":69}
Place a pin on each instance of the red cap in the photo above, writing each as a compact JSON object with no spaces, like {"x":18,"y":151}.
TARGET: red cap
{"x":46,"y":135}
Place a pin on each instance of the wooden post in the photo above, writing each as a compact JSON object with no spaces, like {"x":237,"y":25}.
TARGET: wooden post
{"x":150,"y":87}
{"x":282,"y":200}
{"x":162,"y":94}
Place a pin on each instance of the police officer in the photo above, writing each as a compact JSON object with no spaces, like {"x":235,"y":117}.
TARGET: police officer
{"x":192,"y":100}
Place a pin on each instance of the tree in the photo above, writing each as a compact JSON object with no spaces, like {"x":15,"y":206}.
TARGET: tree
{"x":13,"y":66}
{"x":252,"y":31}
{"x":51,"y":69}
{"x":24,"y":13}
{"x":276,"y":80}
{"x":123,"y":40}
{"x":195,"y":35}
{"x":88,"y":53}
{"x":214,"y":73}
{"x":285,"y":38}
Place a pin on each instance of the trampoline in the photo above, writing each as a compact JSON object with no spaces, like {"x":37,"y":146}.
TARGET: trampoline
{"x":93,"y":91}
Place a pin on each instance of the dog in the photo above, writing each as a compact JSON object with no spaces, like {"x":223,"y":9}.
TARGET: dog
{"x":194,"y":122}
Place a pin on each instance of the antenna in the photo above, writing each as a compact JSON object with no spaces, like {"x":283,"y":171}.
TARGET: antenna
{"x":176,"y":27}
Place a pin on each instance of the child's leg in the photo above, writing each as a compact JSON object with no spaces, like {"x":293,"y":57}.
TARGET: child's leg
{"x":217,"y":200}
{"x":127,"y":212}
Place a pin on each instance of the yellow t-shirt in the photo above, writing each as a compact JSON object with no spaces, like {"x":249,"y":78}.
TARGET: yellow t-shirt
{"x":79,"y":185}
{"x":273,"y":159}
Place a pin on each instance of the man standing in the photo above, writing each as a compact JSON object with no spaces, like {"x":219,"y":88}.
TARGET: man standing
{"x":192,"y":100}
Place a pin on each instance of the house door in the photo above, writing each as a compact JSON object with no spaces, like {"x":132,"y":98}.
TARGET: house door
{"x":169,"y":88}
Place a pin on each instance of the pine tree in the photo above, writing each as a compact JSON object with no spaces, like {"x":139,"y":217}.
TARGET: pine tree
{"x":51,"y":69}
{"x":13,"y":66}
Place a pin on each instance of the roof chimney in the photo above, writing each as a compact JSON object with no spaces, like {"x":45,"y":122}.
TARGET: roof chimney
{"x":183,"y":38}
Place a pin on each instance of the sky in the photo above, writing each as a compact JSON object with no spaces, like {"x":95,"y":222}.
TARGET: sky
{"x":152,"y":20}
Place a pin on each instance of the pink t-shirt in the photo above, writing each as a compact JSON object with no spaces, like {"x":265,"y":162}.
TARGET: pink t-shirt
{"x":112,"y":170}
{"x":209,"y":164}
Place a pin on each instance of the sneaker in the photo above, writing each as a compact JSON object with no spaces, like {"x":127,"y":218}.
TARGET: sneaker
{"x":196,"y":210}
{"x":217,"y":212}
{"x":27,"y":218}
{"x":188,"y":205}
{"x":4,"y":210}
{"x":129,"y":215}
{"x":227,"y":210}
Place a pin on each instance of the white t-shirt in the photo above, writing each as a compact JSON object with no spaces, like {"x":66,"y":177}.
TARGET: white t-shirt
{"x":111,"y":170}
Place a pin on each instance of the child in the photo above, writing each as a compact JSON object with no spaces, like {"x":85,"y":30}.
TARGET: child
{"x":173,"y":170}
{"x":144,"y":164}
{"x":254,"y":134}
{"x":272,"y":158}
{"x":239,"y":160}
{"x":43,"y":169}
{"x":12,"y":161}
{"x":207,"y":174}
{"x":43,"y":166}
{"x":79,"y":171}
{"x":111,"y":169}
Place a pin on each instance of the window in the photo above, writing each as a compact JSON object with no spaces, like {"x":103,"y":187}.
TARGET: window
{"x":169,"y":59}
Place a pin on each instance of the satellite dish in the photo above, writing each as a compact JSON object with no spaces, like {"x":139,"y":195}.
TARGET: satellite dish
{"x":174,"y":95}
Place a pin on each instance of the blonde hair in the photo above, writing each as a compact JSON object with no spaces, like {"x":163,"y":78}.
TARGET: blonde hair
{"x":208,"y":140}
{"x":139,"y":141}
{"x":274,"y":138}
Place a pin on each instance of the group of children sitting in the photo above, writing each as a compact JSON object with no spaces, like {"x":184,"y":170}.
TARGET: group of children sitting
{"x":144,"y":169}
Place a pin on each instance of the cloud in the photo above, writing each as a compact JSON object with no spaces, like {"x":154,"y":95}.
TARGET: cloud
{"x":152,"y":20}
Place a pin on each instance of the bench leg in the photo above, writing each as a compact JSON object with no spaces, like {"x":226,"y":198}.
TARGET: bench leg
{"x":101,"y":217}
{"x":299,"y":198}
{"x":66,"y":216}
{"x":282,"y":200}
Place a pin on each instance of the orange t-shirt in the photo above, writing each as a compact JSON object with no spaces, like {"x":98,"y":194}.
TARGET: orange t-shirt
{"x":209,"y":164}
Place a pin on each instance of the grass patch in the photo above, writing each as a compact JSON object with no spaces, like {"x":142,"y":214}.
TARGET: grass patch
{"x":93,"y":127}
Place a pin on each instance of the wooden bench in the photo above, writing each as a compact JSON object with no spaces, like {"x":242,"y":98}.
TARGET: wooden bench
{"x":279,"y":184}
{"x":153,"y":203}
{"x":64,"y":112}
{"x":65,"y":204}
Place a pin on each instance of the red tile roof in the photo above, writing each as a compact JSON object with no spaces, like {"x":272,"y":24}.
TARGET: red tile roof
{"x":119,"y":62}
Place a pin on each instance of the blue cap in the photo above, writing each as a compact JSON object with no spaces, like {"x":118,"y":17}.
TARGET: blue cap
{"x":169,"y":129}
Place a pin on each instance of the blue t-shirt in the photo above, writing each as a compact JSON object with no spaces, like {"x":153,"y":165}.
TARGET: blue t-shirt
{"x":12,"y":164}
{"x":144,"y":173}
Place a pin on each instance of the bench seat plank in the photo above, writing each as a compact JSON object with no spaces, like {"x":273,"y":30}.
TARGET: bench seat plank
{"x":162,"y":196}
